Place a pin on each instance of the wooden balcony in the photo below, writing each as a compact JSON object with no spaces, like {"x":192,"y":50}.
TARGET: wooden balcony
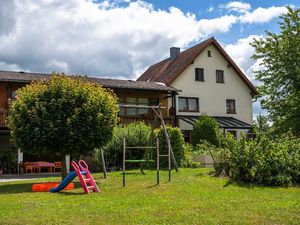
{"x":148,"y":119}
{"x":3,"y":118}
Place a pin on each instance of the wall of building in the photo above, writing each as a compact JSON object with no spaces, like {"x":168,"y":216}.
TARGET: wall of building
{"x":212,"y":96}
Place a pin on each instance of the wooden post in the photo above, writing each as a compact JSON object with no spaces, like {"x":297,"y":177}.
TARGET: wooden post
{"x":168,"y":140}
{"x":157,"y":161}
{"x":124,"y":158}
{"x":103,"y":164}
{"x":67,"y":160}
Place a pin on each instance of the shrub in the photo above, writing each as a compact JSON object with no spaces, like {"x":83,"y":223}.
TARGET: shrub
{"x":266,"y":161}
{"x":187,"y":159}
{"x":136,"y":134}
{"x":176,"y":139}
{"x":206,"y":129}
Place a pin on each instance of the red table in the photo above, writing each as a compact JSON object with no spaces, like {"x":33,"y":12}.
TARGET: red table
{"x":41,"y":164}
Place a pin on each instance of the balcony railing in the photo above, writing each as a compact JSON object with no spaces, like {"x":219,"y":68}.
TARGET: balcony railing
{"x":151,"y":120}
{"x":3,"y":117}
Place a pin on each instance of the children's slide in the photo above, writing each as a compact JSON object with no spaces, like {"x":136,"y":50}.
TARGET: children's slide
{"x":81,"y":171}
{"x":68,"y":179}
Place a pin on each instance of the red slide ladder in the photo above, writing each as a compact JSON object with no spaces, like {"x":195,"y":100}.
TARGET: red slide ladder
{"x":85,"y":177}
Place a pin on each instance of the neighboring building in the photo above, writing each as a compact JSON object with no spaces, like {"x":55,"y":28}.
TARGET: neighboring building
{"x":128,"y":92}
{"x":211,"y":83}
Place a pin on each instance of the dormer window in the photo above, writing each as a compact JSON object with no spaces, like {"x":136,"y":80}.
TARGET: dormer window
{"x":199,"y":74}
{"x":209,"y":53}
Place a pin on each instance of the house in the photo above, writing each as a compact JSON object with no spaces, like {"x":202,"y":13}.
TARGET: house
{"x":210,"y":83}
{"x":128,"y":92}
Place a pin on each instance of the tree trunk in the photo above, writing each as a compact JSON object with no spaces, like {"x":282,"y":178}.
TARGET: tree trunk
{"x":63,"y":168}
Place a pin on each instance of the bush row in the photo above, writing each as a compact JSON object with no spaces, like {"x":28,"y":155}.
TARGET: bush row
{"x":141,"y":134}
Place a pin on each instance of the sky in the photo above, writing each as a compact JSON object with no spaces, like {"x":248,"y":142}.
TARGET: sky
{"x":121,"y":38}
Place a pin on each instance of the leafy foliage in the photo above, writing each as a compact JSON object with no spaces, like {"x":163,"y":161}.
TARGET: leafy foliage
{"x":266,"y":161}
{"x":187,"y":159}
{"x":279,"y":55}
{"x":206,"y":129}
{"x":176,"y":139}
{"x":261,"y":124}
{"x":136,"y":134}
{"x":65,"y":115}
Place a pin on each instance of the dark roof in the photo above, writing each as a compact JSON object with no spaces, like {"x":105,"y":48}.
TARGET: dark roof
{"x":167,"y":71}
{"x":23,"y":77}
{"x":224,"y":122}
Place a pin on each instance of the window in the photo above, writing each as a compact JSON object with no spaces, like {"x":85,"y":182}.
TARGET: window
{"x":220,"y":76}
{"x":135,"y":101}
{"x":233,"y":132}
{"x":209,"y":53}
{"x":188,"y":104}
{"x":142,"y":101}
{"x":131,"y":111}
{"x":230,"y":106}
{"x":187,"y":135}
{"x":122,"y":109}
{"x":154,"y":102}
{"x":199,"y":74}
{"x":13,"y":95}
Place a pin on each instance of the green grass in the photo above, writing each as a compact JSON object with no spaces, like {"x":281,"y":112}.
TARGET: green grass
{"x":193,"y":197}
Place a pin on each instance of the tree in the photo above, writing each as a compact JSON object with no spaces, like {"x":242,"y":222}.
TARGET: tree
{"x":206,"y":129}
{"x":261,"y":125}
{"x":280,"y":57}
{"x":65,"y":115}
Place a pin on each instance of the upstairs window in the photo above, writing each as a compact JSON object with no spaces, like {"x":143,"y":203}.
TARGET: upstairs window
{"x":131,"y":111}
{"x":199,"y":74}
{"x":153,"y":101}
{"x":230,"y":106}
{"x":209,"y":53}
{"x":188,"y":104}
{"x":142,"y":102}
{"x":122,"y":109}
{"x":220,"y":76}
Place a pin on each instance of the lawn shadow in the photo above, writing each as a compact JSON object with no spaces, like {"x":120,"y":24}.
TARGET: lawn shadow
{"x":200,"y":174}
{"x":251,"y":185}
{"x":15,"y":188}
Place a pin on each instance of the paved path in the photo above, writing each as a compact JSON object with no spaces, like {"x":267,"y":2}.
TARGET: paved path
{"x":16,"y":177}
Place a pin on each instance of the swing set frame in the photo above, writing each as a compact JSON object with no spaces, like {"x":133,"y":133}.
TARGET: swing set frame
{"x":157,"y":110}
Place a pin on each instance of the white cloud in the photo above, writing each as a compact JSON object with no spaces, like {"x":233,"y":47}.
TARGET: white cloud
{"x":221,"y":24}
{"x":104,"y":39}
{"x":262,"y":15}
{"x":241,"y":52}
{"x":241,"y":7}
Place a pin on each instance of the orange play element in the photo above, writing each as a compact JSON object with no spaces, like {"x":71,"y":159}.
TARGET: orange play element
{"x":44,"y":187}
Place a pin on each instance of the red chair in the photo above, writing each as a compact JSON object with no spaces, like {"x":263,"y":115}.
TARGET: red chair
{"x":57,"y":165}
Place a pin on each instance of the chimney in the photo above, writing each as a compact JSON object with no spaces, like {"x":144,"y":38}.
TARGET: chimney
{"x":174,"y":52}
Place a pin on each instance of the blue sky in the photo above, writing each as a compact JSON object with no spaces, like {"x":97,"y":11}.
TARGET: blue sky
{"x":122,"y":38}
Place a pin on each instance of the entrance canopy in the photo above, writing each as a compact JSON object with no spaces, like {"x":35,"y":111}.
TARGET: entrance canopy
{"x":224,"y":122}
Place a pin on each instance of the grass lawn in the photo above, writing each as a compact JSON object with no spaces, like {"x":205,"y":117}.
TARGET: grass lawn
{"x":193,"y":197}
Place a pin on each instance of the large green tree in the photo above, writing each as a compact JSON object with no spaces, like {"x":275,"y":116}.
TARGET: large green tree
{"x":279,"y":54}
{"x":65,"y":115}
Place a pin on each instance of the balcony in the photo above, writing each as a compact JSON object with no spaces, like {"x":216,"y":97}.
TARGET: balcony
{"x":148,"y":119}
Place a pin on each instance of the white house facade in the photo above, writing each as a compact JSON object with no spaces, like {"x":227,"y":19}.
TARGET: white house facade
{"x":210,"y":83}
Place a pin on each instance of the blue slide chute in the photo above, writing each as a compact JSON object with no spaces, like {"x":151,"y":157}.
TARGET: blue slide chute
{"x":68,"y":179}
